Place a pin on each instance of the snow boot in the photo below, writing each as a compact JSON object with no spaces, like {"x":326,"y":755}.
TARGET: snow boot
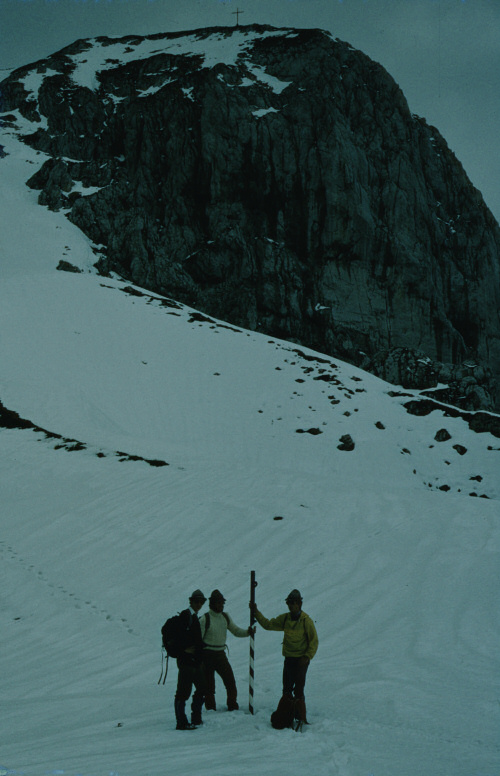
{"x":185,"y":726}
{"x":299,"y":714}
{"x":210,"y":702}
{"x":196,"y":707}
{"x":300,"y":710}
{"x":180,"y":716}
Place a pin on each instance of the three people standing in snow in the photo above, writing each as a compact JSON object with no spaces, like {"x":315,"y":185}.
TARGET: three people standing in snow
{"x":202,"y":655}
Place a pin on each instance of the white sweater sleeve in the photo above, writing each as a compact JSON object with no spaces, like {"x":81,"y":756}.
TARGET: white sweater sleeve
{"x":235,"y":630}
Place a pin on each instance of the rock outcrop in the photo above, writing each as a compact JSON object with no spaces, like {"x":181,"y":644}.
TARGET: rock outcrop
{"x":276,"y":179}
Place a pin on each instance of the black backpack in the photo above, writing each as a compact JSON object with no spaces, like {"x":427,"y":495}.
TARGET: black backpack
{"x":172,"y":634}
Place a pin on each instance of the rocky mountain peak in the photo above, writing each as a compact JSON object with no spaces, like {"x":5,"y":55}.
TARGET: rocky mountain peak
{"x":277,"y":179}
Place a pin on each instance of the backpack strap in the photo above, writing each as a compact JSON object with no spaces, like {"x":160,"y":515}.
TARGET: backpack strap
{"x":207,"y":622}
{"x":207,"y":625}
{"x":166,"y":668}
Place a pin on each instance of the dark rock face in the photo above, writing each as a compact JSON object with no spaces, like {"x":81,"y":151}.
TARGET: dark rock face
{"x":285,"y":188}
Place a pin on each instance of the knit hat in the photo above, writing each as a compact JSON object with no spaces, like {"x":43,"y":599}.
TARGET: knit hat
{"x":216,"y":595}
{"x":294,"y":596}
{"x":197,"y":595}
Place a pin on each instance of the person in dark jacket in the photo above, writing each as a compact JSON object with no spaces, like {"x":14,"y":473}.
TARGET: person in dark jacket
{"x":190,"y":665}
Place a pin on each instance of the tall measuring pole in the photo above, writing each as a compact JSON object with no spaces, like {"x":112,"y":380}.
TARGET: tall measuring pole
{"x":253,"y":585}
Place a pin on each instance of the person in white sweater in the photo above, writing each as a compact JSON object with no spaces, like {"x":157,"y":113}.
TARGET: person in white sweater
{"x":214,"y":626}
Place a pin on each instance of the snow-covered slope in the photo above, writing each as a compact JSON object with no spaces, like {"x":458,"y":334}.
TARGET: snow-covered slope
{"x":168,"y":451}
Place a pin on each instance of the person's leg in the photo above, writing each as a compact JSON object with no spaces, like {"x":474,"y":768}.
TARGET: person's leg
{"x":289,"y":675}
{"x":227,"y":675}
{"x":208,"y":660}
{"x":300,"y":677}
{"x":300,"y":681}
{"x":199,"y":682}
{"x":182,"y":693}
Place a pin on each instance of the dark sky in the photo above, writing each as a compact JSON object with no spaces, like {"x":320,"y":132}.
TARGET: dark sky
{"x":445,"y":54}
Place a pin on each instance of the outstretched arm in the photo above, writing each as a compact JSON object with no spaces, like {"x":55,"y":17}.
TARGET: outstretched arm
{"x":276,"y":624}
{"x":240,"y":633}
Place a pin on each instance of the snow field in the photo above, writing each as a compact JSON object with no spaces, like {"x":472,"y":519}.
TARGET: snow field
{"x":98,"y":549}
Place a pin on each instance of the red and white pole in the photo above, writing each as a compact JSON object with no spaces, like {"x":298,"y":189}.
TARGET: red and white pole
{"x":253,"y":585}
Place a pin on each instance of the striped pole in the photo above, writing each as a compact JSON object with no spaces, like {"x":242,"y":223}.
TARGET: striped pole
{"x":253,"y":585}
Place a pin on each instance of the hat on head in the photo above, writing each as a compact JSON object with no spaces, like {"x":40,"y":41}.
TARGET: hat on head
{"x":294,"y":596}
{"x":216,"y":595}
{"x":197,"y":595}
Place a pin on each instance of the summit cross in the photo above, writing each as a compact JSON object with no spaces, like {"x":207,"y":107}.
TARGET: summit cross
{"x":237,"y":14}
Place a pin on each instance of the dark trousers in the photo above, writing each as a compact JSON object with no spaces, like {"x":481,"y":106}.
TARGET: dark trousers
{"x":215,"y":661}
{"x":294,"y":676}
{"x":190,"y":673}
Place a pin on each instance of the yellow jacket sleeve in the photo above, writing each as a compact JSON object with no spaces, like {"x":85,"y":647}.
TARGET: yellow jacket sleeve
{"x":276,"y":624}
{"x":300,"y":639}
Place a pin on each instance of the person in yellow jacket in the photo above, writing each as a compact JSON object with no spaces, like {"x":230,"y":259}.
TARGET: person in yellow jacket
{"x":300,"y":643}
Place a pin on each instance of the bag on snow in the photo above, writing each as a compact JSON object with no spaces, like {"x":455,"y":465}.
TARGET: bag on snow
{"x":285,"y":713}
